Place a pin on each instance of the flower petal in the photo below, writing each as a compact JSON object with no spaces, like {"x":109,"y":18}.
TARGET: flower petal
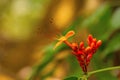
{"x":57,"y":44}
{"x":69,"y":34}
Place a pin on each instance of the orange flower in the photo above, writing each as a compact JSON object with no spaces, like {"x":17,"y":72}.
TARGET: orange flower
{"x":64,"y":38}
{"x":83,"y":54}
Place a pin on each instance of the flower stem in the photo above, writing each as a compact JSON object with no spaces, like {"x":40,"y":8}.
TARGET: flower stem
{"x":84,"y":77}
{"x":105,"y":69}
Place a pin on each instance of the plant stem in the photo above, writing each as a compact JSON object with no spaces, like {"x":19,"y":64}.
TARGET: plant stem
{"x":105,"y":69}
{"x":84,"y":77}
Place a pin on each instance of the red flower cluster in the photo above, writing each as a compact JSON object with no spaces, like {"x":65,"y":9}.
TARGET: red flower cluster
{"x":83,"y":54}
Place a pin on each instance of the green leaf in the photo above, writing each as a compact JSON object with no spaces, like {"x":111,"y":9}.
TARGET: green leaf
{"x":98,"y":23}
{"x":115,"y":21}
{"x":71,"y":78}
{"x":94,"y":18}
{"x":112,"y":45}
